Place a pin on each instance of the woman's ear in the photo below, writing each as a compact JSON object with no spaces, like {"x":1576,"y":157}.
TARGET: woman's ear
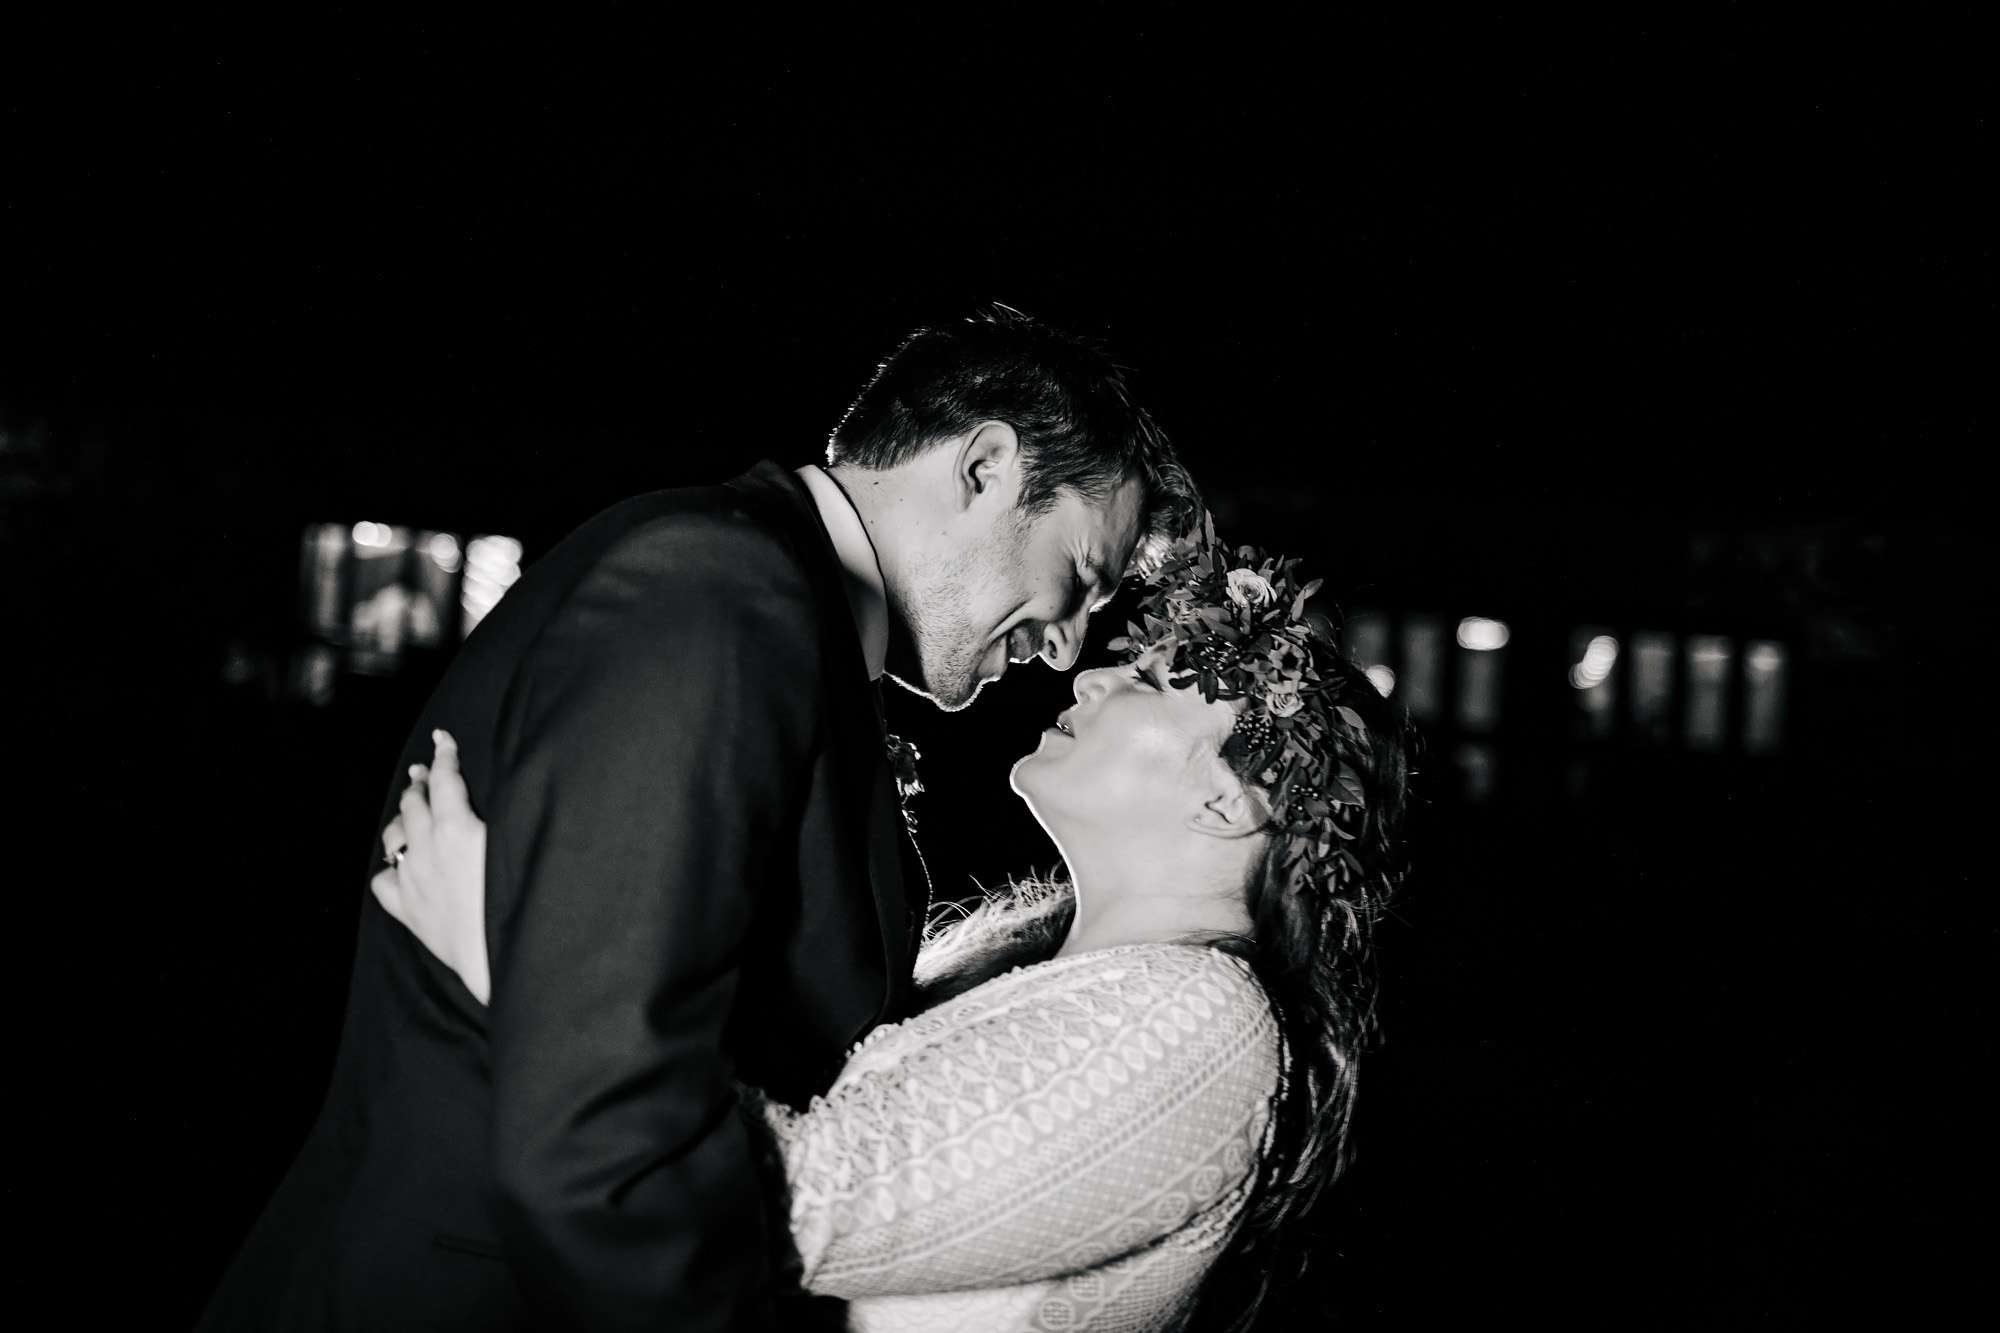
{"x":1234,"y":810}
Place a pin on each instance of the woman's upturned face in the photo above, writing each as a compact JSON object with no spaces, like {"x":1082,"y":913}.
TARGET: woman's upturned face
{"x":1133,"y":755}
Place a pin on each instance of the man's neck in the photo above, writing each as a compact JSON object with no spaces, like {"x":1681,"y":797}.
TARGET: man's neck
{"x":891,"y":510}
{"x":861,"y":568}
{"x":882,"y":499}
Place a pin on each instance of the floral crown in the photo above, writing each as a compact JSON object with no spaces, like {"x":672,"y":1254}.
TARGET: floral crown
{"x":1237,"y":628}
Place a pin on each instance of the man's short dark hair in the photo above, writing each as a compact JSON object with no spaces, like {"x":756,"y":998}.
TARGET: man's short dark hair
{"x":1067,"y":401}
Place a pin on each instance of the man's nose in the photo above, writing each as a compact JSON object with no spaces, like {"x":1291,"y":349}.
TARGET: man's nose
{"x":1060,"y":646}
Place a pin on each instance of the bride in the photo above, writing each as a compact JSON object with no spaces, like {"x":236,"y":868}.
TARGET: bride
{"x":1123,"y":1092}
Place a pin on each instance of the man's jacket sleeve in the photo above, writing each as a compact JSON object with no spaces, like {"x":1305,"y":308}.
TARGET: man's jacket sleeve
{"x":652,"y":750}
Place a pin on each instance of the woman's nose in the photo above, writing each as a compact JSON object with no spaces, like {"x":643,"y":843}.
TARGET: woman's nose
{"x":1093,"y":684}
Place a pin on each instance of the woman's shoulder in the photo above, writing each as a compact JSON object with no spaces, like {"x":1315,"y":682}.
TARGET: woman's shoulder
{"x":1194,"y":988}
{"x":1163,"y":967}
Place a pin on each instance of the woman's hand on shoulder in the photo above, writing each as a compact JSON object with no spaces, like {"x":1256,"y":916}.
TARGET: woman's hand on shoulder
{"x":435,"y":883}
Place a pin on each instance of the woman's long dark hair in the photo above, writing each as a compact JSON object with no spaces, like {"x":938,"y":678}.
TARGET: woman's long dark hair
{"x":1311,"y":955}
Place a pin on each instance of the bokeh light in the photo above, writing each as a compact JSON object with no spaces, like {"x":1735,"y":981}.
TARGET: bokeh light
{"x":1482,"y":635}
{"x":1599,"y":656}
{"x":492,"y":563}
{"x":444,"y":552}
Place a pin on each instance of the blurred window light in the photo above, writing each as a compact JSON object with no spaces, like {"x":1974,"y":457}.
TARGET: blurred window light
{"x":378,"y":598}
{"x":1707,"y":720}
{"x":312,"y":674}
{"x":1482,"y":635}
{"x":1383,"y":679}
{"x":1652,"y":683}
{"x":377,"y":590}
{"x":1476,"y":770}
{"x":1423,"y":659}
{"x":1365,"y":639}
{"x":1763,"y":697}
{"x":492,"y":563}
{"x":1479,"y":691}
{"x":242,"y":664}
{"x":492,"y":552}
{"x":1593,"y":678}
{"x":430,"y":582}
{"x":379,"y":541}
{"x":1479,"y":672}
{"x":378,"y":626}
{"x":323,"y":551}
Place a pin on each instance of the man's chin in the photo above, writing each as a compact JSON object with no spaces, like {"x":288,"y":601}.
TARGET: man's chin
{"x":951,"y":702}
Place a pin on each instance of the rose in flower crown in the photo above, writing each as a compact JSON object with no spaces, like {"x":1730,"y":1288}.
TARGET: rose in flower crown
{"x":1235,"y":622}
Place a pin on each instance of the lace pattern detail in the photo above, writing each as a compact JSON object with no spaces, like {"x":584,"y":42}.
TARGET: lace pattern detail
{"x":1067,"y":1146}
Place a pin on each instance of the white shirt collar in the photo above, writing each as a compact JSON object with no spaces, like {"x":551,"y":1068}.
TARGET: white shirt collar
{"x":866,"y":596}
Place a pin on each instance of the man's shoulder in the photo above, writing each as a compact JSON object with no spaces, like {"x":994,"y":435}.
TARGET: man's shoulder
{"x":753,"y":527}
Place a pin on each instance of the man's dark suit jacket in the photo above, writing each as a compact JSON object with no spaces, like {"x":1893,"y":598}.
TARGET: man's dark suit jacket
{"x":692,"y":876}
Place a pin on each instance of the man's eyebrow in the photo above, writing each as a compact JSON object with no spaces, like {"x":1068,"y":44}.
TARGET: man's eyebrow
{"x":1093,"y":569}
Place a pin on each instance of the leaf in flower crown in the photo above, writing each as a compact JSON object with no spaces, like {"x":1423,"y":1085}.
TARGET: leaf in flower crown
{"x":1351,"y":718}
{"x":1120,"y":644}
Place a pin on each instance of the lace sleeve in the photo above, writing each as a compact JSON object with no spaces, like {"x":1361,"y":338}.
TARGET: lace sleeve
{"x":1048,"y":1121}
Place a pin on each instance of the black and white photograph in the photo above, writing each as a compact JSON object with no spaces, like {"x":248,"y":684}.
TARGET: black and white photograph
{"x":1095,"y":668}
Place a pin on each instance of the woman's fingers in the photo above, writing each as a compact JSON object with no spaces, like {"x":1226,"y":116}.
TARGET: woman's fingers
{"x":394,"y":838}
{"x":388,"y":890}
{"x":416,"y":807}
{"x":449,"y":799}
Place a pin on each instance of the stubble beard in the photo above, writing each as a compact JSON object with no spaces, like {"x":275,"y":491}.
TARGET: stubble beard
{"x":949,"y":646}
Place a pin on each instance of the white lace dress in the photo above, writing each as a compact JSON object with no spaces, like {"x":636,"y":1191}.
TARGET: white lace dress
{"x":1066,"y":1147}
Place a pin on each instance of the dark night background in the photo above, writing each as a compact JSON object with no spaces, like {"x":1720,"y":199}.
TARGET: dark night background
{"x":1666,"y":324}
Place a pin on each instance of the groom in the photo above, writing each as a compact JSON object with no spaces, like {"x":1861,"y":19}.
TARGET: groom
{"x":673,"y":729}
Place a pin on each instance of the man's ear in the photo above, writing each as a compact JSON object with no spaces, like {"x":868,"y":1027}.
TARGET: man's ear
{"x":1234,"y":810}
{"x":988,"y":463}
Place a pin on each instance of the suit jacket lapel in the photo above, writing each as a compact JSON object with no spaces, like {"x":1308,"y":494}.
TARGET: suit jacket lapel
{"x":856,"y":723}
